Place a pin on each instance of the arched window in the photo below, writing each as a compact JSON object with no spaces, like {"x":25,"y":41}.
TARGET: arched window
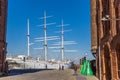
{"x":106,"y":11}
{"x":117,"y":13}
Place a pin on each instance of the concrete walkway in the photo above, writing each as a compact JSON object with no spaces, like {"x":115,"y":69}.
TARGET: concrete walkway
{"x":91,"y":78}
{"x":82,"y":77}
{"x":44,"y":75}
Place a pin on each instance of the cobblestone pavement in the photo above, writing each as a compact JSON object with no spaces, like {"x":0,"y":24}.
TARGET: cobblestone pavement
{"x":44,"y":75}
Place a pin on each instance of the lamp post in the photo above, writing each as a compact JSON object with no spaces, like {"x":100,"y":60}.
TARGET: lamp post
{"x":100,"y":76}
{"x":106,"y":18}
{"x":99,"y":62}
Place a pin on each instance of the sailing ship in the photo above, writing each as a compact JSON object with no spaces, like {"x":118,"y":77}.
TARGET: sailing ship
{"x":28,"y":62}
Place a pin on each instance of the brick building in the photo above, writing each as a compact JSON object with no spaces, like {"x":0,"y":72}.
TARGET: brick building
{"x":105,"y":37}
{"x":3,"y":44}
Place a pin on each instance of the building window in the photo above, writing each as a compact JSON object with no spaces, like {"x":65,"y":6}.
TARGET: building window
{"x":106,"y":27}
{"x":106,"y":11}
{"x":117,"y":12}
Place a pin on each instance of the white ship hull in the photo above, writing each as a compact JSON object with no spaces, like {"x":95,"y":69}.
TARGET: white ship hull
{"x":34,"y":64}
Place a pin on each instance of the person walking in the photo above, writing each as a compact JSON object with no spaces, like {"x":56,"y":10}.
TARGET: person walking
{"x":75,"y":69}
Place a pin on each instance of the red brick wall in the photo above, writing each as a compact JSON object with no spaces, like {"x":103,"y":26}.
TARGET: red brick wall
{"x":108,"y":32}
{"x":3,"y":21}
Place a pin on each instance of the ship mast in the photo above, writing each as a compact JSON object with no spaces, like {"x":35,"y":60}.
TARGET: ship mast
{"x":28,"y":37}
{"x":62,"y":41}
{"x":45,"y":35}
{"x":62,"y":38}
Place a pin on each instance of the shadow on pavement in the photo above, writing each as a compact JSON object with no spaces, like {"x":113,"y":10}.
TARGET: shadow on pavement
{"x":23,"y":71}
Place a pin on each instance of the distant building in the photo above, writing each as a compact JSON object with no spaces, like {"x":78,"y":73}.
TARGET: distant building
{"x":22,"y":57}
{"x":106,"y":34}
{"x":3,"y":44}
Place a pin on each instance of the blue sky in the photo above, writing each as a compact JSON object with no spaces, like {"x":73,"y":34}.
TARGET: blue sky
{"x":73,"y":12}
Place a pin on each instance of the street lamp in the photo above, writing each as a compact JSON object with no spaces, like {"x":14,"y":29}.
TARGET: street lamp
{"x":106,"y":18}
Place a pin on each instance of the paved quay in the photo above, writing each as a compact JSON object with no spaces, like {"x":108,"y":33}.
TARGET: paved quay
{"x":46,"y":75}
{"x":43,"y":75}
{"x":82,"y":77}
